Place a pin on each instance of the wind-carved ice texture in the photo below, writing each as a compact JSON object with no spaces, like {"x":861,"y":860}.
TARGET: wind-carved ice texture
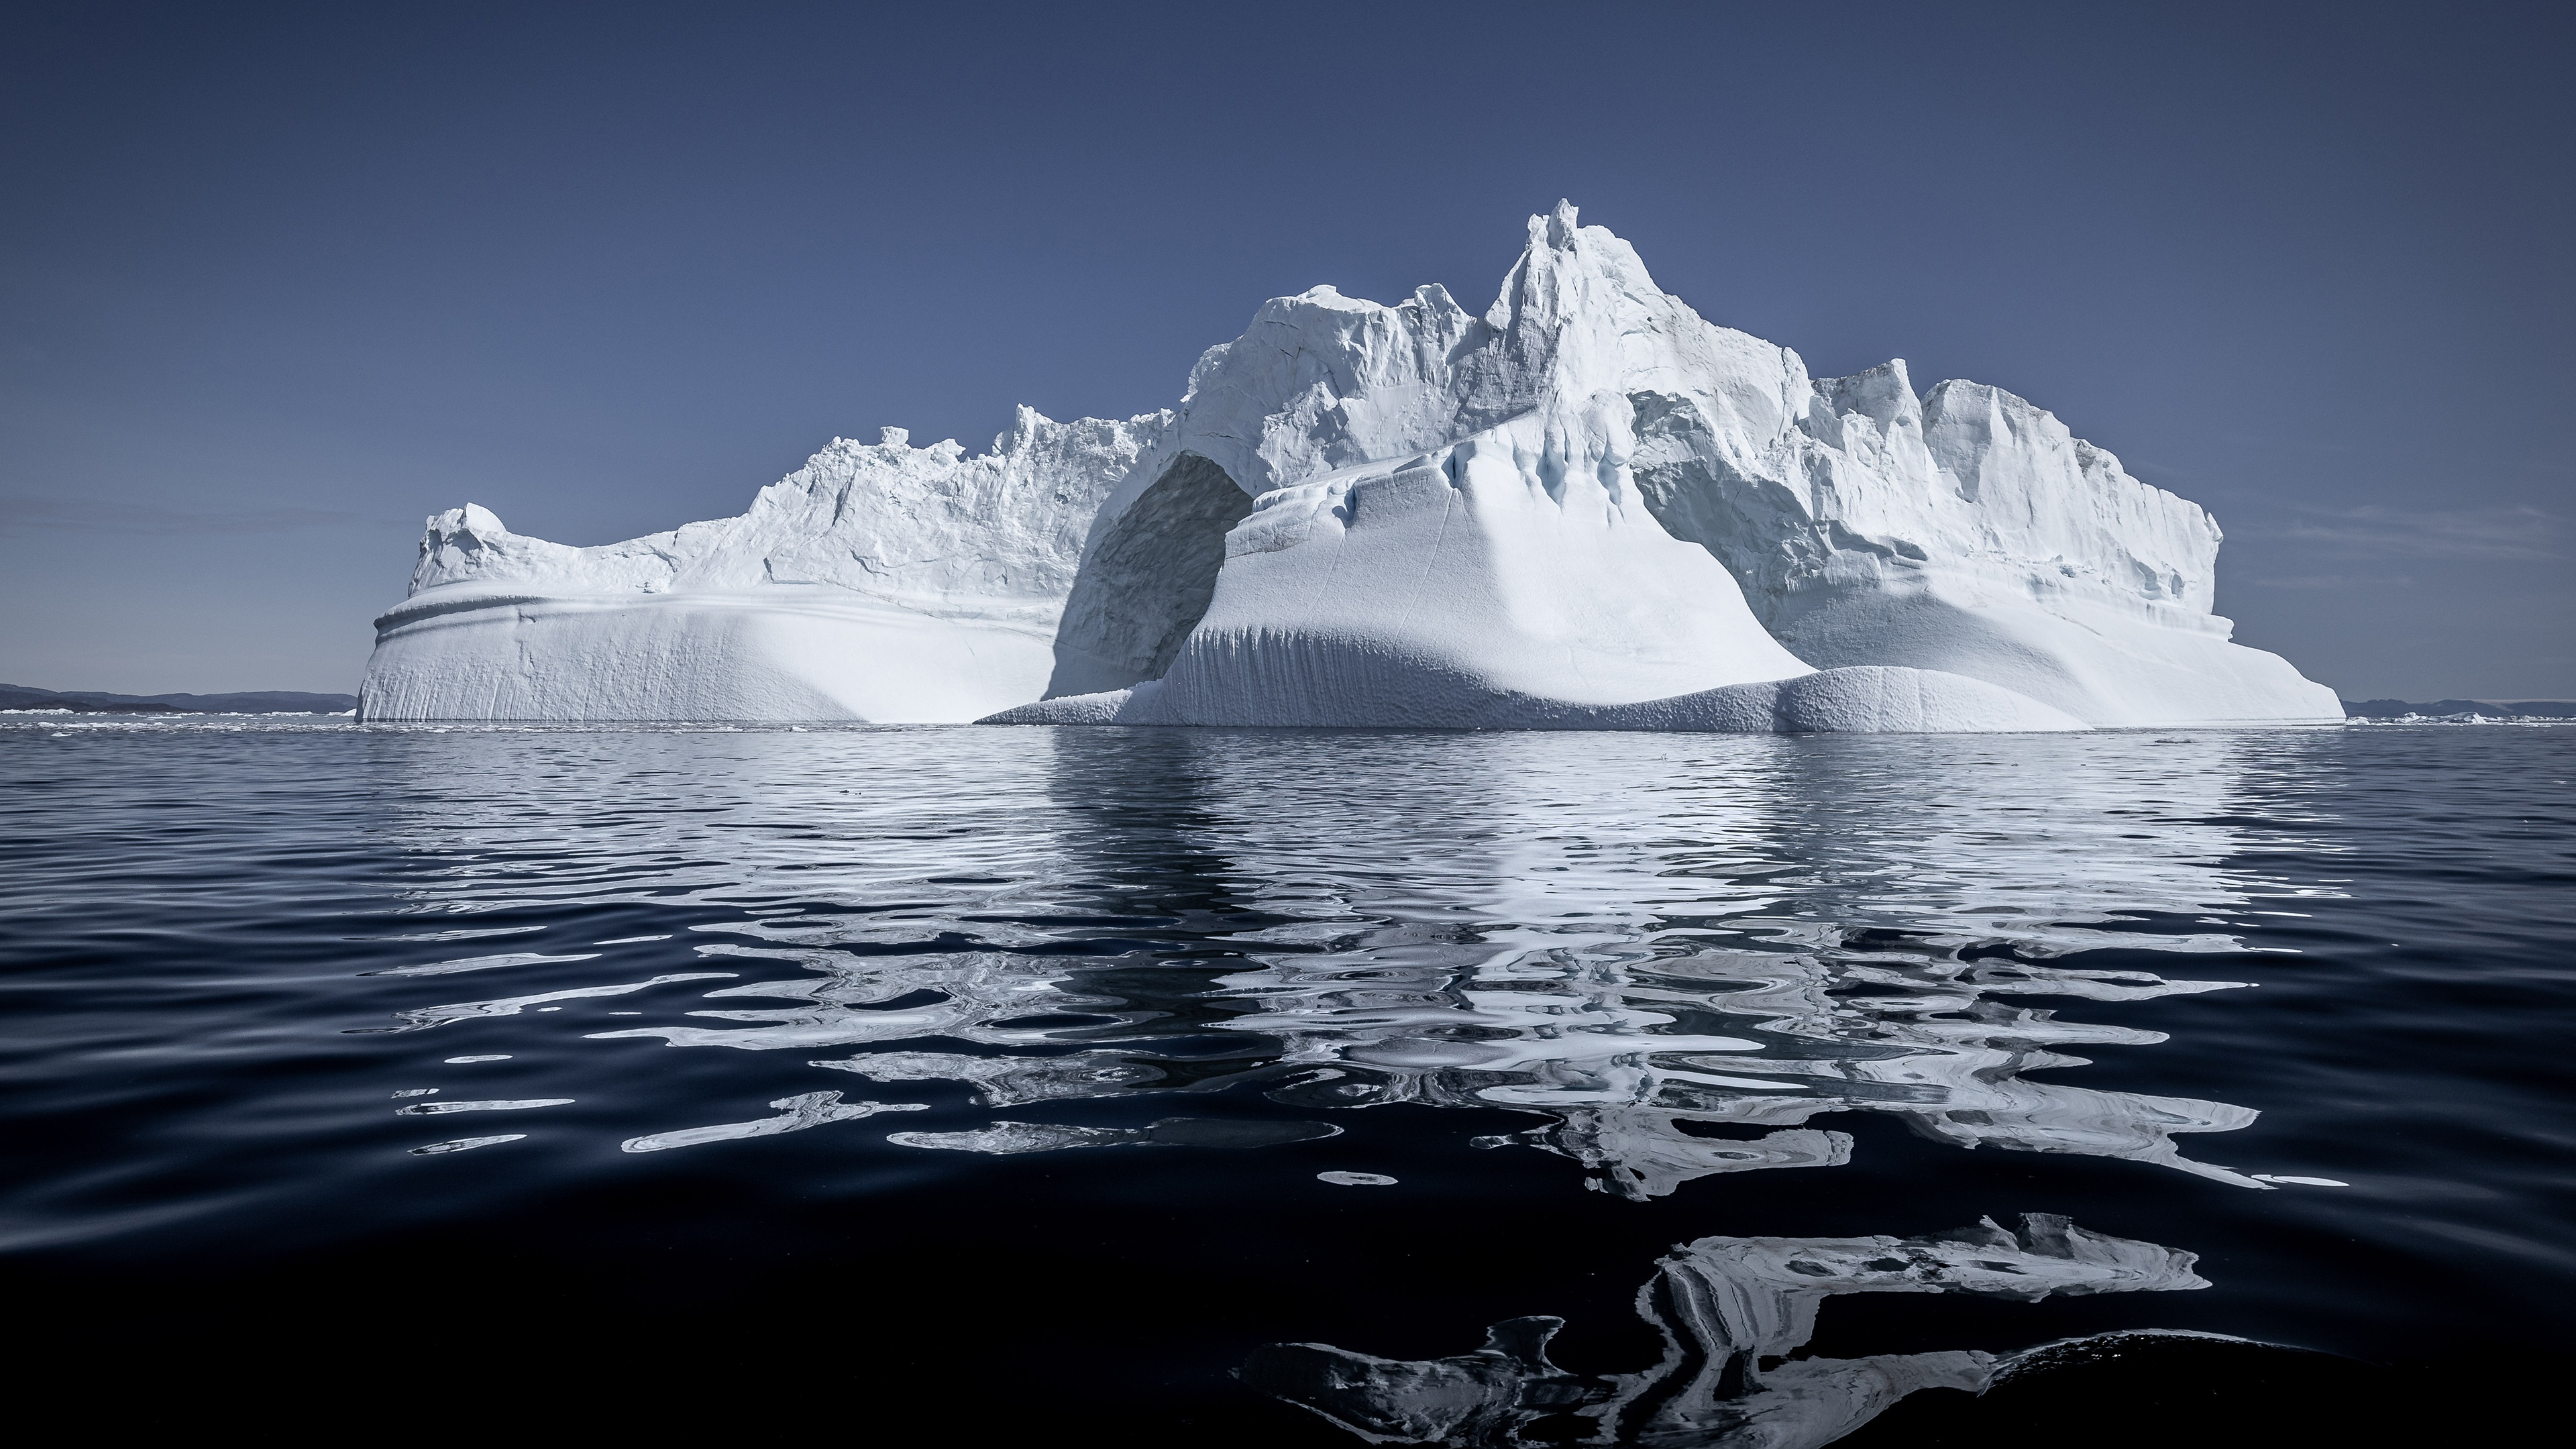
{"x":1732,"y":1312}
{"x":1678,"y":957}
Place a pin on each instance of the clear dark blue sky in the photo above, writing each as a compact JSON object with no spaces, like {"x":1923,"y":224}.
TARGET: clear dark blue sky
{"x":275,"y":280}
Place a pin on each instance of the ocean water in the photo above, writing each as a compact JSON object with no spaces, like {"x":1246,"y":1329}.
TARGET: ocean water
{"x":957,"y":1085}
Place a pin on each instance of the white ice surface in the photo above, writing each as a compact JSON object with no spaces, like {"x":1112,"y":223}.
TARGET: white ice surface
{"x":1586,"y":498}
{"x":1969,"y":533}
{"x":1864,"y":698}
{"x":879,"y":582}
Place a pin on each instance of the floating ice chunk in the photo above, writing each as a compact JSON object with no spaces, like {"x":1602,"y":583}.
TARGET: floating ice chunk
{"x":2299,"y":1181}
{"x":463,"y":1061}
{"x":1355,"y":1179}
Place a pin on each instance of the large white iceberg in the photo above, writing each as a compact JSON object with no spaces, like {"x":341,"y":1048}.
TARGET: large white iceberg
{"x":1586,"y":507}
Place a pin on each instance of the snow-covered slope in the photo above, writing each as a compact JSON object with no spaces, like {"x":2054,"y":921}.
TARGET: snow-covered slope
{"x":1586,"y":507}
{"x":1513,"y":571}
{"x":1512,"y":580}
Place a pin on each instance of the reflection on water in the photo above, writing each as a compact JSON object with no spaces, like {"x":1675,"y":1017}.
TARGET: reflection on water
{"x":1191,"y":1042}
{"x":1674,"y":957}
{"x":1731,"y":1312}
{"x":1677,"y":958}
{"x":1211,"y":1040}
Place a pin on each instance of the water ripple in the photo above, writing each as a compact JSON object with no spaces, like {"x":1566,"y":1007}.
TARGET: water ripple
{"x":1691,"y":983}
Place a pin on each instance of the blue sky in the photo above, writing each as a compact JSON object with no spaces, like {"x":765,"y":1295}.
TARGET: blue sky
{"x":276,"y":281}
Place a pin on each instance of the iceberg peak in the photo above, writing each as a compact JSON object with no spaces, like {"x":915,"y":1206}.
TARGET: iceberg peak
{"x":1561,"y":224}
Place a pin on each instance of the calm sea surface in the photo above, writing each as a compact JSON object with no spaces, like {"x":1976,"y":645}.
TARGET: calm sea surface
{"x":1226,"y":1087}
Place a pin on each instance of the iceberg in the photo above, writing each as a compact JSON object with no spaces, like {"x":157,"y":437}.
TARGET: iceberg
{"x":1586,"y":507}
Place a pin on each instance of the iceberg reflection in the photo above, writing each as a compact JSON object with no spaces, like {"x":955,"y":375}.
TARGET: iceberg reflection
{"x":1731,"y":1311}
{"x":1675,"y":953}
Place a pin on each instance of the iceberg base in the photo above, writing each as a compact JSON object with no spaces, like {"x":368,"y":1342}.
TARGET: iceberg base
{"x":1870,"y":699}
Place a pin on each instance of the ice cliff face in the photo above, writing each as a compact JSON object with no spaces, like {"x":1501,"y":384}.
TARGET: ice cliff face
{"x":1586,"y":507}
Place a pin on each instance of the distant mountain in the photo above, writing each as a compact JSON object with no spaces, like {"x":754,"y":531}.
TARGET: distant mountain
{"x":257,"y":701}
{"x":2528,"y":708}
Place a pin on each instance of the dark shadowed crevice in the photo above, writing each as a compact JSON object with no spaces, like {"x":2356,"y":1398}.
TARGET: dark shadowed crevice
{"x":1147,"y":580}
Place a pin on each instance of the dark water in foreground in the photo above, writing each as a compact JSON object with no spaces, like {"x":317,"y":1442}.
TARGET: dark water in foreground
{"x":992,"y":1085}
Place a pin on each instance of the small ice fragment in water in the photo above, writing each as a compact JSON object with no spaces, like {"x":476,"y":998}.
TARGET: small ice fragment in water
{"x":424,"y":1109}
{"x":461,"y":1061}
{"x":1355,"y":1179}
{"x":2299,"y":1181}
{"x":462,"y":1144}
{"x":417,"y":1092}
{"x":629,"y":940}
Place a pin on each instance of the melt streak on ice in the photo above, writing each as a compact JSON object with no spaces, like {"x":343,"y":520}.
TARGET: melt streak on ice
{"x":1585,"y":508}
